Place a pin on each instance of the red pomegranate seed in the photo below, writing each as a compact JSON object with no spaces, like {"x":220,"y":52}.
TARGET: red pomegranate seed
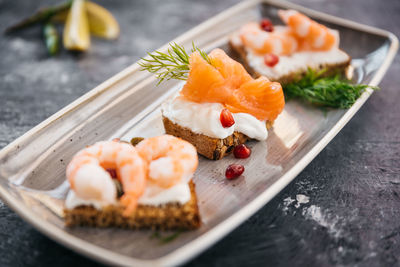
{"x":226,"y":118}
{"x":266,"y":25}
{"x":241,"y":151}
{"x":271,"y":59}
{"x":233,"y":171}
{"x":112,"y":172}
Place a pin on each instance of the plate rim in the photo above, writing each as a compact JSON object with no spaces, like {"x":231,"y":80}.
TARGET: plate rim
{"x":198,"y":245}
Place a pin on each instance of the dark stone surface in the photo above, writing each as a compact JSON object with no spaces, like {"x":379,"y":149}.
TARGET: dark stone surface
{"x":353,"y":214}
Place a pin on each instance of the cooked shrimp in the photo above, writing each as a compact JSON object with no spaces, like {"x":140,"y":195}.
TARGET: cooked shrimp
{"x":311,"y":33}
{"x":280,"y":42}
{"x":171,"y":160}
{"x":88,"y":176}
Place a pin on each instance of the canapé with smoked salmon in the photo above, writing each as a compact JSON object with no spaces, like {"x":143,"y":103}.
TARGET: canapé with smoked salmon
{"x":221,"y":105}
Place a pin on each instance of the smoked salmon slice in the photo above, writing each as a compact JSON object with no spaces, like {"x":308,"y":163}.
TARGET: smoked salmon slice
{"x":226,"y":81}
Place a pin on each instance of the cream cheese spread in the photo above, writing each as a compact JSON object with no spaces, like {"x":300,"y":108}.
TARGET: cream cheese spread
{"x":204,"y":118}
{"x":153,"y":195}
{"x":73,"y":201}
{"x":296,"y":62}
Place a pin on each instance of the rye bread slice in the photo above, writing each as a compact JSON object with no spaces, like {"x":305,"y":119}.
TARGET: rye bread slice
{"x":171,"y":216}
{"x":209,"y":147}
{"x":331,"y":69}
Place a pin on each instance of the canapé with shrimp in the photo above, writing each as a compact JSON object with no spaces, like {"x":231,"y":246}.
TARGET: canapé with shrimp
{"x":284,"y":52}
{"x":147,"y":186}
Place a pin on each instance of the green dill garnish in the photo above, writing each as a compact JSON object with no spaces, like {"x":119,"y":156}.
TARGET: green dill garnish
{"x":165,"y":239}
{"x":155,"y":234}
{"x":171,"y":65}
{"x":169,"y":238}
{"x":334,"y":91}
{"x":41,"y":16}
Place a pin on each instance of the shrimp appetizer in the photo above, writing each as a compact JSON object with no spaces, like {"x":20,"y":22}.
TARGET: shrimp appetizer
{"x":284,"y":53}
{"x":148,"y":186}
{"x":220,"y":106}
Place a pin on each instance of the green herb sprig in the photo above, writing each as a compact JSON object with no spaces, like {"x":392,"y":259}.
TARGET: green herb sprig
{"x":333,"y":91}
{"x":41,"y":16}
{"x":164,"y":239}
{"x":52,"y":38}
{"x":171,"y":65}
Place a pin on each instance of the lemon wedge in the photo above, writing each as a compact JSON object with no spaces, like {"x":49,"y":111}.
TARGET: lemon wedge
{"x":101,"y":21}
{"x":76,"y":32}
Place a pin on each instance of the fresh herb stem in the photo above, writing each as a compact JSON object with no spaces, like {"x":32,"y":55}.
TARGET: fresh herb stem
{"x":51,"y":38}
{"x":170,"y":238}
{"x":155,"y":234}
{"x":42,"y":15}
{"x":334,"y":91}
{"x":165,"y":239}
{"x":174,"y":64}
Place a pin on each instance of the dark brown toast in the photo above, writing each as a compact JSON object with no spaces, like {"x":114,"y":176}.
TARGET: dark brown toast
{"x":171,"y":216}
{"x":209,"y":147}
{"x":331,"y":69}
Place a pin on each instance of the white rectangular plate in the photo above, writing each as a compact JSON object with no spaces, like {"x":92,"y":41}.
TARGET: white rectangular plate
{"x":32,"y":179}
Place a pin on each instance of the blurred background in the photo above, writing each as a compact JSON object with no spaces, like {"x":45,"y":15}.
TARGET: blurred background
{"x":34,"y":85}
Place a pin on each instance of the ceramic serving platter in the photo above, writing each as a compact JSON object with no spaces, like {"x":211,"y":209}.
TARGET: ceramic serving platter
{"x":32,"y":168}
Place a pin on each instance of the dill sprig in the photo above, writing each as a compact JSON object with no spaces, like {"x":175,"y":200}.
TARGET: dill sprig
{"x":171,"y":65}
{"x":165,"y":238}
{"x":334,"y":91}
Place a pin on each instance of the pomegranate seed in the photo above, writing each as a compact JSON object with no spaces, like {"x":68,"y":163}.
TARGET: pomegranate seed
{"x":271,"y":59}
{"x":233,"y":171}
{"x":112,"y":172}
{"x":266,"y":25}
{"x":241,"y":151}
{"x":226,"y":118}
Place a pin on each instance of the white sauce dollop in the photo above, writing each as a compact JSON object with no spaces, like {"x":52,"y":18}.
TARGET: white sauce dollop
{"x":204,"y":118}
{"x":153,"y":195}
{"x":73,"y":201}
{"x":298,"y":61}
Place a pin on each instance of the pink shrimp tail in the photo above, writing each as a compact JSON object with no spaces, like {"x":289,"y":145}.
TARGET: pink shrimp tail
{"x":284,"y":15}
{"x":313,"y":35}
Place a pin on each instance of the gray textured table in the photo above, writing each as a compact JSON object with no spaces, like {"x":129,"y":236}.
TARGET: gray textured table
{"x":353,"y":214}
